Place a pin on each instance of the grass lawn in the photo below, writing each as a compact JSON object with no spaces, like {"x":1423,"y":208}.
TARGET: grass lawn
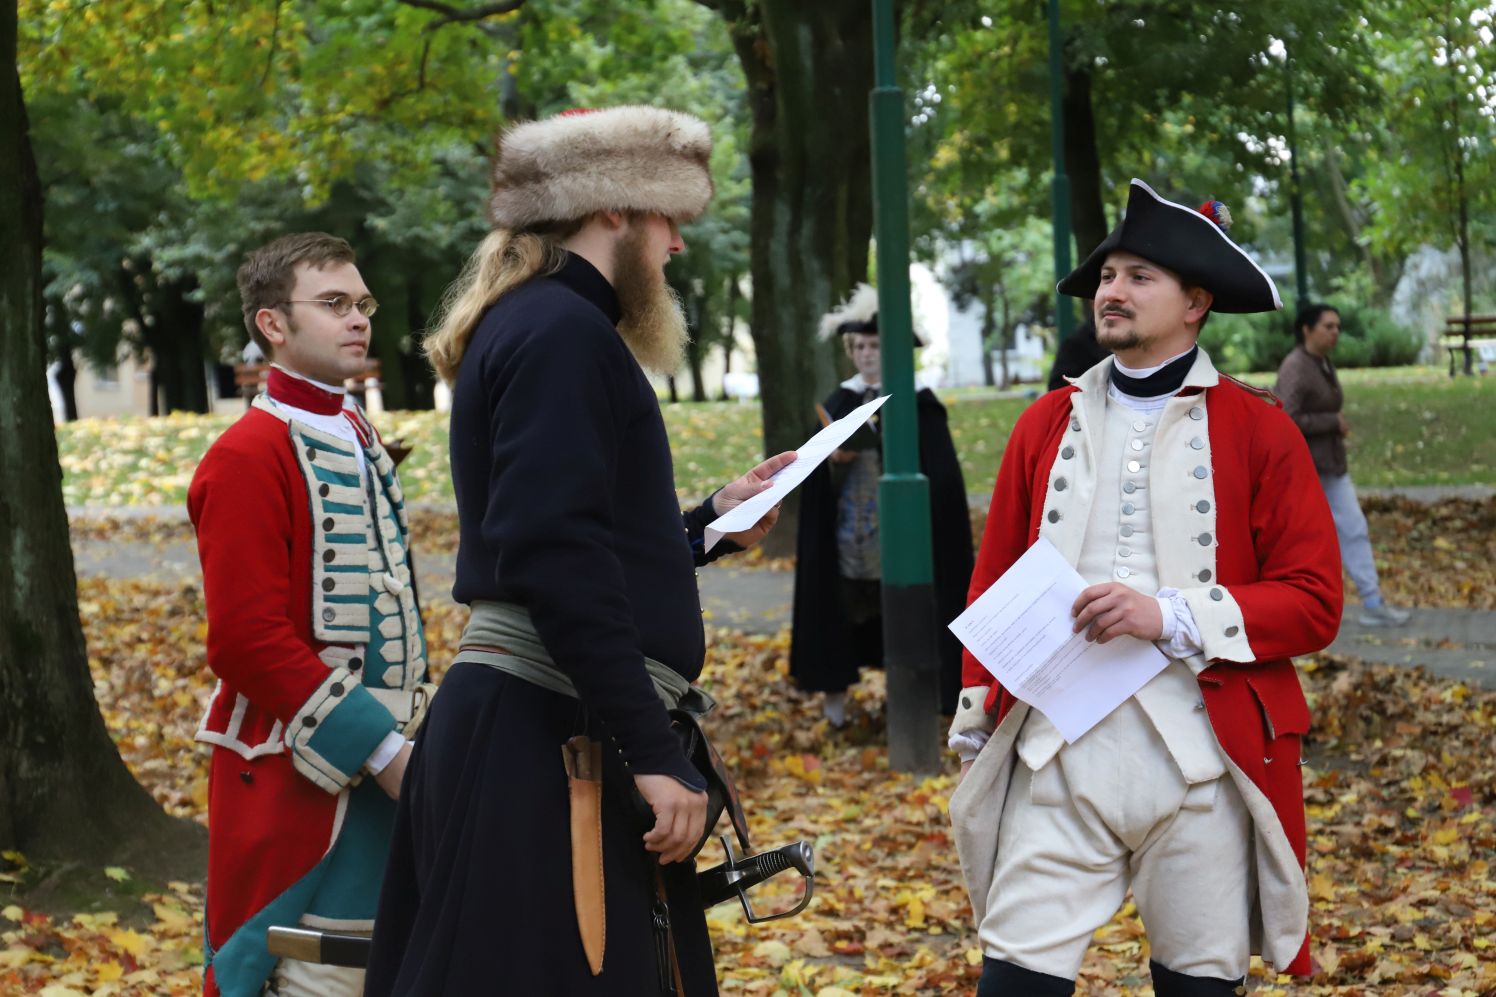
{"x":1411,"y":426}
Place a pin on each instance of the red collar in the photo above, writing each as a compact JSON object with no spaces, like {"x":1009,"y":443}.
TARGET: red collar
{"x":302,"y":394}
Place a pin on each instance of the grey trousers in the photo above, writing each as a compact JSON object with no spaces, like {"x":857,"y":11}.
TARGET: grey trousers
{"x":1355,"y":539}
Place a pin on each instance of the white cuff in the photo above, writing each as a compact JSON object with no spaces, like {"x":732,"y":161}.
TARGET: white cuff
{"x":967,"y":743}
{"x":1181,"y":634}
{"x":385,"y":753}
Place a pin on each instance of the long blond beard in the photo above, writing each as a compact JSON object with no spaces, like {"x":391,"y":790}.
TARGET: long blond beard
{"x":653,"y":323}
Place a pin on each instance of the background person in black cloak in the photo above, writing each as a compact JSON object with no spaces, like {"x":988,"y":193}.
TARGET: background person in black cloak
{"x":579,"y":569}
{"x":838,"y":619}
{"x":1076,"y":354}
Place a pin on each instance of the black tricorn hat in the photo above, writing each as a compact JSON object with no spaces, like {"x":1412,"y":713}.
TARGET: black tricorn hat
{"x":1189,"y":242}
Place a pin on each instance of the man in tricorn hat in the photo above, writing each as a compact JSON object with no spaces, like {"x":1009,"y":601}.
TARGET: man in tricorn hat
{"x":579,"y":569}
{"x":838,"y":615}
{"x":1189,"y":504}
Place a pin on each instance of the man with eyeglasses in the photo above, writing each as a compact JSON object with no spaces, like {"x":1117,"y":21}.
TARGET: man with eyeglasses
{"x":314,"y":632}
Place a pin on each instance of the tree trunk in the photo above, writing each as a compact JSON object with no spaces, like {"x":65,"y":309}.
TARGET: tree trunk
{"x":1005,"y":333}
{"x":64,"y":793}
{"x":809,"y":69}
{"x":1083,"y":165}
{"x":988,"y":323}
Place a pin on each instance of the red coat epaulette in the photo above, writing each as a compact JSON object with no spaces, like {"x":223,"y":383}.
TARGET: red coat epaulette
{"x":1263,"y":393}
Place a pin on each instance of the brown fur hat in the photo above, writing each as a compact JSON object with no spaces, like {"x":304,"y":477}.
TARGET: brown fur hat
{"x":630,"y":158}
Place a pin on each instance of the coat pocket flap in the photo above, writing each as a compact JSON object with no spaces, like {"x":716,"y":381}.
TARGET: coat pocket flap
{"x":1282,"y":701}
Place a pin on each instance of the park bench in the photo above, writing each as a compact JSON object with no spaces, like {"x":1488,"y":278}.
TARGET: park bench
{"x":1461,"y":334}
{"x":250,"y":378}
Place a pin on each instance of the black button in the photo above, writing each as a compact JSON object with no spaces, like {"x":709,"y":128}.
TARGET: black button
{"x":309,"y":722}
{"x":1059,"y":484}
{"x":247,"y":776}
{"x":965,"y":702}
{"x":329,"y":556}
{"x":1205,"y":575}
{"x":329,"y":614}
{"x":337,"y":689}
{"x":311,"y":453}
{"x":1054,"y":515}
{"x":328,"y":584}
{"x":327,"y":524}
{"x":354,"y":664}
{"x":324,"y":490}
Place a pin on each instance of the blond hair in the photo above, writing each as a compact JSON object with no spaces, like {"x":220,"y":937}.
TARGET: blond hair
{"x":504,"y":260}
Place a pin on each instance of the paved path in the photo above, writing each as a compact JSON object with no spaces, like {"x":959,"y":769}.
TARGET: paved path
{"x":1457,"y":643}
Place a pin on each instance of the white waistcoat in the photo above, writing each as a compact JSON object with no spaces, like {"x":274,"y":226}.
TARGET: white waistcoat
{"x":1118,"y":546}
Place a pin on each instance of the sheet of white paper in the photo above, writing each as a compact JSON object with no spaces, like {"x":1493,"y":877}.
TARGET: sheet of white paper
{"x":1020,"y":630}
{"x":807,"y":458}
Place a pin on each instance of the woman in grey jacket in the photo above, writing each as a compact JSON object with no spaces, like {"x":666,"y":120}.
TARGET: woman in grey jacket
{"x":1311,"y":394}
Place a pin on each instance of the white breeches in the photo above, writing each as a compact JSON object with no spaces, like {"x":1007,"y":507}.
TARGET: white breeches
{"x":306,"y":979}
{"x":1112,"y":810}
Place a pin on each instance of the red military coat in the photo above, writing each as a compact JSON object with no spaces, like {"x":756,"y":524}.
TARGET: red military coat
{"x":1274,"y":590}
{"x":298,"y":709}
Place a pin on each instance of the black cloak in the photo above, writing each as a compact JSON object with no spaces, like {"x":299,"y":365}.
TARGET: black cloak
{"x":826,"y":650}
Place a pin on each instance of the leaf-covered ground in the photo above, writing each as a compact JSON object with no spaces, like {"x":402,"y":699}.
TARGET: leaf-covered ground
{"x":1400,"y":788}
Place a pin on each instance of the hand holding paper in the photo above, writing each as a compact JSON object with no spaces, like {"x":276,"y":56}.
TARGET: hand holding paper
{"x":1022,"y":631}
{"x":747,"y":514}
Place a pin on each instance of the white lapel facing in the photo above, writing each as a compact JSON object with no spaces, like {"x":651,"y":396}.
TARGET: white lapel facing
{"x":1072,"y":480}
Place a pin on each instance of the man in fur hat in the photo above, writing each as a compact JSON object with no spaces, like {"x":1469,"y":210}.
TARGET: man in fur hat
{"x":1190,"y":504}
{"x":579,"y":569}
{"x":838,"y":617}
{"x":313,"y":632}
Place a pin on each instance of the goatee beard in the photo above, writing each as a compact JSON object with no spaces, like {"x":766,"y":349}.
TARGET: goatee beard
{"x":653,"y":324}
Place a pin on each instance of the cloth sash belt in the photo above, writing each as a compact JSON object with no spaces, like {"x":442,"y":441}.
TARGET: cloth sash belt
{"x":501,"y":635}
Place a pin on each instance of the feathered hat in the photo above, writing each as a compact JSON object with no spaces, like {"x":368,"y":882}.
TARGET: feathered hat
{"x":858,"y":314}
{"x":1192,"y":243}
{"x":630,"y":158}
